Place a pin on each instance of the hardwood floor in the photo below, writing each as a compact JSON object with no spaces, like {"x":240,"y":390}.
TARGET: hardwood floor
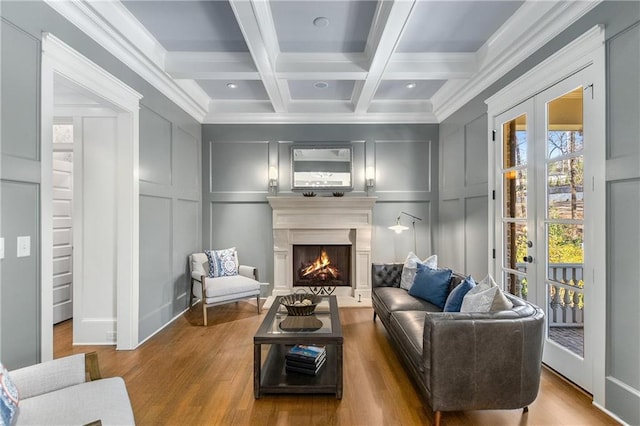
{"x":193,"y":375}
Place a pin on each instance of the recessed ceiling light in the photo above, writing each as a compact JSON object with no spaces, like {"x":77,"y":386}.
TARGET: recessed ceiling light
{"x":320,"y":84}
{"x":410,"y":85}
{"x":321,"y":22}
{"x":232,"y":85}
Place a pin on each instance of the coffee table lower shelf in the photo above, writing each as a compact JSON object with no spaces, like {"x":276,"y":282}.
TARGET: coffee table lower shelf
{"x":274,"y":379}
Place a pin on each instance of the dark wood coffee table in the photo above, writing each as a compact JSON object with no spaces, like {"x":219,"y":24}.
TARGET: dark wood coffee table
{"x":281,"y":332}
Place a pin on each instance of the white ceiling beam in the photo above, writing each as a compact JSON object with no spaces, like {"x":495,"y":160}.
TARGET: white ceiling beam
{"x":389,"y":23}
{"x":253,"y":18}
{"x":211,"y":66}
{"x":431,"y":66}
{"x":321,"y":66}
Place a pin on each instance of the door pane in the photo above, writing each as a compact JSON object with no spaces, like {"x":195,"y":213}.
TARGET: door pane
{"x":566,"y":317}
{"x":514,"y":134}
{"x":516,"y":284}
{"x":564,"y":243}
{"x":564,"y":126}
{"x":515,"y":194}
{"x":565,"y":186}
{"x":515,"y":246}
{"x":565,"y":201}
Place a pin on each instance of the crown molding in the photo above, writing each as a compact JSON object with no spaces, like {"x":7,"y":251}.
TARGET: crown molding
{"x":533,"y":25}
{"x":112,"y":26}
{"x":574,"y":56}
{"x":321,"y":118}
{"x":94,"y":78}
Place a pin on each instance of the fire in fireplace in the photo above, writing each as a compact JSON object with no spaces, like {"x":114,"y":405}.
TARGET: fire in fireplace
{"x":321,"y":265}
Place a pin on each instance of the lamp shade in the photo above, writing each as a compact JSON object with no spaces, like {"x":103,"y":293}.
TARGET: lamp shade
{"x":397,"y":228}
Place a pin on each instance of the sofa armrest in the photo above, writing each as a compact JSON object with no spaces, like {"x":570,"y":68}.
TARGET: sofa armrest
{"x":483,"y":360}
{"x":248,"y":271}
{"x":49,"y":376}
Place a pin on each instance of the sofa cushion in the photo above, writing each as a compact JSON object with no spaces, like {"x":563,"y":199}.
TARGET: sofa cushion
{"x":407,"y":327}
{"x":8,"y":397}
{"x":222,"y":263}
{"x":106,"y":400}
{"x":485,"y":297}
{"x":431,"y":285}
{"x":410,"y":268}
{"x":454,"y":300}
{"x":225,"y":286}
{"x":390,"y":299}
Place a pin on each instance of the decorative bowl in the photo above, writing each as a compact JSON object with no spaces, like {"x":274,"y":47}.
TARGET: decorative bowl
{"x":309,"y":194}
{"x":297,"y":307}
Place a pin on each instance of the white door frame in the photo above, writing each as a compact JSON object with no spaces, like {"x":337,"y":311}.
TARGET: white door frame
{"x":58,"y":57}
{"x":587,"y":50}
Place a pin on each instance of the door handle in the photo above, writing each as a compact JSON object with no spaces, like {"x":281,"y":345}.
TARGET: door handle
{"x":528,"y":259}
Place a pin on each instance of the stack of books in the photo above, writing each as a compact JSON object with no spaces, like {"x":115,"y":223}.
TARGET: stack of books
{"x":305,"y":359}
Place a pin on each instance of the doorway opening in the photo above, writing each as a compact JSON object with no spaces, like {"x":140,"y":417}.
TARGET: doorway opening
{"x":105,"y":198}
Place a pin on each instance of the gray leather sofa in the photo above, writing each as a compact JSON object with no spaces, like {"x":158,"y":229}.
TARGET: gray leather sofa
{"x":462,"y":361}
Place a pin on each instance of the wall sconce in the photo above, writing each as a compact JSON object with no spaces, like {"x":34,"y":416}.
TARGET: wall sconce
{"x":273,"y":179}
{"x":398,"y":228}
{"x":369,"y":175}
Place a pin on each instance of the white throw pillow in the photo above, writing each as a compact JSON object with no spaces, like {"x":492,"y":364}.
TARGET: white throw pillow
{"x":485,"y":297}
{"x":411,"y":267}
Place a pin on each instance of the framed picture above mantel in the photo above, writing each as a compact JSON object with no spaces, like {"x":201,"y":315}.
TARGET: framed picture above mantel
{"x":321,"y":167}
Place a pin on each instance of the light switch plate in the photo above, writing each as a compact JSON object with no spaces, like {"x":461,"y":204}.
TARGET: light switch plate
{"x":1,"y":248}
{"x":24,"y":246}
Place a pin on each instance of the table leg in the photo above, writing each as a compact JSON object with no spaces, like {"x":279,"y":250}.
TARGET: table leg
{"x":257,"y":361}
{"x":339,"y":371}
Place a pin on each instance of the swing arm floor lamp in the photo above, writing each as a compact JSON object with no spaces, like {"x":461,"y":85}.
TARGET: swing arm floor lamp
{"x":398,"y":228}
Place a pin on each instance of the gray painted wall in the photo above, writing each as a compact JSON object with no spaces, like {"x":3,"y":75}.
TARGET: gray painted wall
{"x":464,"y":131}
{"x":235,"y":170}
{"x":623,"y":224}
{"x":174,"y":183}
{"x":170,"y":217}
{"x":463,"y":202}
{"x":20,"y":197}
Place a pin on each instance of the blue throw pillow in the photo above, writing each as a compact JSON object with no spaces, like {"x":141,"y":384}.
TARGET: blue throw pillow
{"x":222,"y":263}
{"x":8,"y":397}
{"x":431,"y":285}
{"x":454,"y":301}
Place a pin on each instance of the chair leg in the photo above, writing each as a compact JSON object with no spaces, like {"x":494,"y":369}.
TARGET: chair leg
{"x":525,"y":409}
{"x":258,"y":302}
{"x":374,"y":316}
{"x":438,"y":417}
{"x":191,"y":295}
{"x":203,"y":299}
{"x":204,"y":312}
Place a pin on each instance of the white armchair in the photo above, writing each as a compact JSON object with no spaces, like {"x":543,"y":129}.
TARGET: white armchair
{"x":68,"y":391}
{"x":220,"y":290}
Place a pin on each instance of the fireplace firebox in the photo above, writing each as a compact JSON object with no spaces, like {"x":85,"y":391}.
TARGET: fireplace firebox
{"x":321,"y":265}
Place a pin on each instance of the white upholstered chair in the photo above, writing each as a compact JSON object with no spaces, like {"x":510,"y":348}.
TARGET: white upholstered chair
{"x":220,"y":290}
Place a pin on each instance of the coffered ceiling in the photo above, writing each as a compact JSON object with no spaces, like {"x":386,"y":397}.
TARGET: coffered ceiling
{"x":310,"y":61}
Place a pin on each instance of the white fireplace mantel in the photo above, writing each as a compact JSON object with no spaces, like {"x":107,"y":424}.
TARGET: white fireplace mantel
{"x":323,"y":220}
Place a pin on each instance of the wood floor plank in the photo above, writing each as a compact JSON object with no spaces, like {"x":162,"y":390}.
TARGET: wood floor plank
{"x":193,"y":375}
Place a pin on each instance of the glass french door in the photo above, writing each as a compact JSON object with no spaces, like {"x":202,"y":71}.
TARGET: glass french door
{"x":514,"y":190}
{"x":540,"y":213}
